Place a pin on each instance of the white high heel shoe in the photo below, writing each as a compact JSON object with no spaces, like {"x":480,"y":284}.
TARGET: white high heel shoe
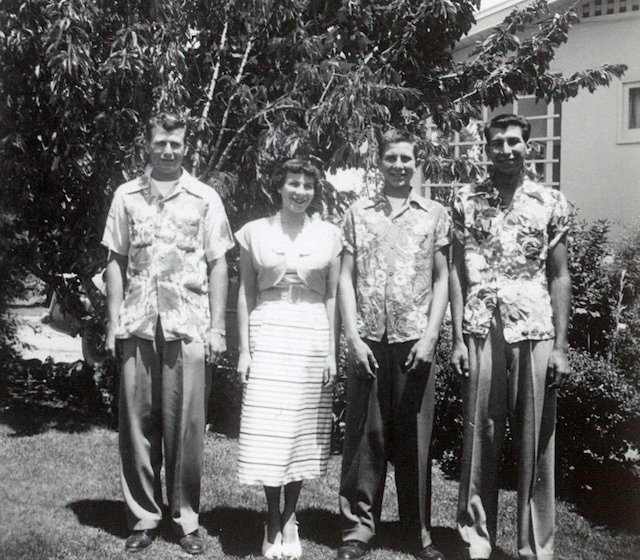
{"x":292,"y":551}
{"x":272,"y":550}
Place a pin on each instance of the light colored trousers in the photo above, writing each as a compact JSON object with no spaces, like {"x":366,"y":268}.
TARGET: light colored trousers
{"x":162,"y":400}
{"x":508,"y":380}
{"x":388,"y":418}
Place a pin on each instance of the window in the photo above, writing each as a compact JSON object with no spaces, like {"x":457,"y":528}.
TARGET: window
{"x":544,"y":157}
{"x":629,"y":113}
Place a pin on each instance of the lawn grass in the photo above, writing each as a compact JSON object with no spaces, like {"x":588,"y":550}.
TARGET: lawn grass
{"x":60,"y":499}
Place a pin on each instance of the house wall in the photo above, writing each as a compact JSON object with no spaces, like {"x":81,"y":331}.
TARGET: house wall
{"x":598,"y":174}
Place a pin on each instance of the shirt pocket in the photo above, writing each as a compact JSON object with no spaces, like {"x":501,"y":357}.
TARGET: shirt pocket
{"x":531,"y":241}
{"x":141,"y":229}
{"x":483,"y":222}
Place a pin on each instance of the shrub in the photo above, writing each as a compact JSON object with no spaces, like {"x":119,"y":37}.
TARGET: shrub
{"x":592,"y":319}
{"x":598,"y":440}
{"x":10,"y":288}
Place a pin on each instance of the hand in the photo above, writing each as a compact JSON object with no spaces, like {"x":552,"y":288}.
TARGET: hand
{"x":421,"y":354}
{"x":110,"y":342}
{"x":362,"y":359}
{"x":329,"y":373}
{"x":558,"y":369}
{"x":244,"y":366}
{"x":460,"y":358}
{"x":215,"y":346}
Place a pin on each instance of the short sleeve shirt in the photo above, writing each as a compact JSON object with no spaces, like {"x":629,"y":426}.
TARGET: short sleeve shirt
{"x":505,"y":254}
{"x":393,"y":256}
{"x":274,"y":255}
{"x":168,"y":242}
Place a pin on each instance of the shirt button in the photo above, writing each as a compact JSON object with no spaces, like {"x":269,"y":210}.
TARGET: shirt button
{"x":391,"y":274}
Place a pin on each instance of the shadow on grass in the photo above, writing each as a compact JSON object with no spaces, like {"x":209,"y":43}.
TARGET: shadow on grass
{"x":107,"y":515}
{"x":110,"y":516}
{"x":240,"y":532}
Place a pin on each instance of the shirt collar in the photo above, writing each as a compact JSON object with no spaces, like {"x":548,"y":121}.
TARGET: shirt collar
{"x":184,"y":183}
{"x":380,"y":202}
{"x":488,"y":190}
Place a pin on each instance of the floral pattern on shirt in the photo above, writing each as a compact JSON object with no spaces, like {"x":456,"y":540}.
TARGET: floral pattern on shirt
{"x":393,"y":255}
{"x":168,"y":242}
{"x":505,"y":253}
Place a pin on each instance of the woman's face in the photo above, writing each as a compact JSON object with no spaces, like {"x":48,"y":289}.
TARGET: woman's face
{"x":297,"y":192}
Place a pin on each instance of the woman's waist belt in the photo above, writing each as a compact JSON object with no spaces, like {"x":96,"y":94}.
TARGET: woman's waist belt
{"x":294,"y":293}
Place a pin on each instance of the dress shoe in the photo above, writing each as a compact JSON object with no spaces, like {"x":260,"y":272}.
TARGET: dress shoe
{"x":192,"y":543}
{"x":138,"y":540}
{"x":352,"y":550}
{"x":272,"y":550}
{"x":293,"y":550}
{"x":430,"y":553}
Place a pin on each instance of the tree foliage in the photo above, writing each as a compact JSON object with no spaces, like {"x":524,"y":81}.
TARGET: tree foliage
{"x":259,"y":79}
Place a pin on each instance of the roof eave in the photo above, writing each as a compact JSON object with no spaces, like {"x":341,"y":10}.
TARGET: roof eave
{"x":487,"y":19}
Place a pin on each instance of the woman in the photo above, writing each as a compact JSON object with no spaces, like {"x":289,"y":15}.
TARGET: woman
{"x":289,"y":268}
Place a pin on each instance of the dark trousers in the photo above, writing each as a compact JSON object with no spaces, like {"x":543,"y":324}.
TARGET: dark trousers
{"x":387,"y":419}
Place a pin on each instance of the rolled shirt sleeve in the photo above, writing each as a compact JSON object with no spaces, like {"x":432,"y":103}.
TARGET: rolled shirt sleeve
{"x":348,"y":233}
{"x":560,"y":221}
{"x":443,"y":233}
{"x":116,"y":231}
{"x":218,"y":238}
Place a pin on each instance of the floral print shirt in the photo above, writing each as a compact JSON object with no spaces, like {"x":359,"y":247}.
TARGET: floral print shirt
{"x":168,"y":242}
{"x":505,"y":255}
{"x":393,"y":256}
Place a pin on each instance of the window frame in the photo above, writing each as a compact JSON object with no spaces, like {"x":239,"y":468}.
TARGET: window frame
{"x":626,"y":135}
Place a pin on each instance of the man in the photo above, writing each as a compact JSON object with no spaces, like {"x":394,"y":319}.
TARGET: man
{"x":510,"y":303}
{"x":167,"y":236}
{"x":393,"y":296}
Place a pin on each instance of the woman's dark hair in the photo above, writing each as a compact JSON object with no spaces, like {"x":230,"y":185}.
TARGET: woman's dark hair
{"x":304,"y":166}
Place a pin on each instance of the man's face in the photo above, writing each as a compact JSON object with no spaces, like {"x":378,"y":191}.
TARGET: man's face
{"x":166,"y":153}
{"x":507,"y":150}
{"x":398,"y":164}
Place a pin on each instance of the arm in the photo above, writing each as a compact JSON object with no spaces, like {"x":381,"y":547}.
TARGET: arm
{"x":364,"y":361}
{"x":457,"y":291}
{"x":560,"y":290}
{"x":247,"y":293}
{"x":218,"y":286}
{"x":330,"y":300}
{"x":424,"y":350}
{"x":115,"y":276}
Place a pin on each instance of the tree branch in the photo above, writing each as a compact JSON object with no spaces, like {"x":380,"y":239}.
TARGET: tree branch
{"x":246,"y":124}
{"x":227,"y":112}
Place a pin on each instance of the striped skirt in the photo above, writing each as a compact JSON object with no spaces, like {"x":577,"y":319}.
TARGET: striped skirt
{"x":285,"y":428}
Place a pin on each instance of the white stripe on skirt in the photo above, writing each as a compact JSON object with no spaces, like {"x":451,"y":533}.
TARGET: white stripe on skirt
{"x":285,"y":430}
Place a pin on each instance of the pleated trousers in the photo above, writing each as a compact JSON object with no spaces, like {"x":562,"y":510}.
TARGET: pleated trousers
{"x":508,"y":380}
{"x":389,"y":418}
{"x":162,"y":412}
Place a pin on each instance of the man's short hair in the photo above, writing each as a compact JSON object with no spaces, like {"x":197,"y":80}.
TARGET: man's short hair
{"x":168,"y":121}
{"x":502,"y":122}
{"x":306,"y":167}
{"x":393,"y":136}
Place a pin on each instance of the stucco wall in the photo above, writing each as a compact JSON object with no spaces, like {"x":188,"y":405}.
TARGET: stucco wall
{"x":601,"y":176}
